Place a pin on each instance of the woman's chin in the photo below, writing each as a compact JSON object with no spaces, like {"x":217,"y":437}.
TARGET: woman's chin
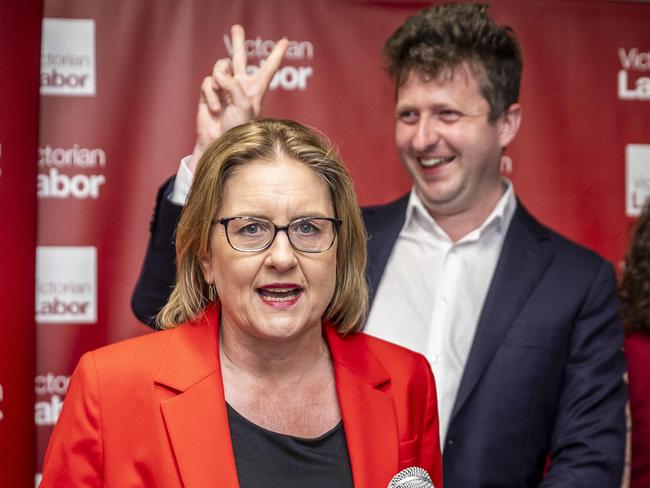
{"x":281,"y":329}
{"x":275,"y":322}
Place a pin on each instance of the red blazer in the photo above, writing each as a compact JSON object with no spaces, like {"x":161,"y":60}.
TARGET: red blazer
{"x":150,"y":411}
{"x":637,"y":352}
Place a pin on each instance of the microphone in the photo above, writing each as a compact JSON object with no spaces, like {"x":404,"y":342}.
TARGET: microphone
{"x":413,"y":477}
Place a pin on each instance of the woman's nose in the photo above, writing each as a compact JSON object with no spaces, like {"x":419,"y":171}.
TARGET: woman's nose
{"x":281,"y":253}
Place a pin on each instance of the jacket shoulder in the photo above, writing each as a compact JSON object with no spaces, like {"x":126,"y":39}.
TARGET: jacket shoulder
{"x":567,"y":251}
{"x":383,"y":347}
{"x":135,"y":358}
{"x":386,"y":210}
{"x":398,"y":361}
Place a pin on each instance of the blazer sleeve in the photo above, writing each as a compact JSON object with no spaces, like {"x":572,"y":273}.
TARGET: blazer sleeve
{"x":158,"y":273}
{"x":74,"y":453}
{"x":588,"y":438}
{"x":431,"y":458}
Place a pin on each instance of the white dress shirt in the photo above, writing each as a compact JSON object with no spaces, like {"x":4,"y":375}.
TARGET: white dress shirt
{"x":432,"y":292}
{"x":182,"y":182}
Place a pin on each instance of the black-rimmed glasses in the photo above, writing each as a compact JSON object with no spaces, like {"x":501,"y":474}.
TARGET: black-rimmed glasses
{"x":308,"y":234}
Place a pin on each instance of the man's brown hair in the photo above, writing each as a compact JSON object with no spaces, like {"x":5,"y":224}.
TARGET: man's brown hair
{"x":445,"y":36}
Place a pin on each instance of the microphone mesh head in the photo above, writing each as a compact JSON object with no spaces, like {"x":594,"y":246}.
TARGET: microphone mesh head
{"x":413,"y":477}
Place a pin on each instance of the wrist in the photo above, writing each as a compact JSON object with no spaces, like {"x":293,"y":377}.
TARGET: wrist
{"x":193,"y":162}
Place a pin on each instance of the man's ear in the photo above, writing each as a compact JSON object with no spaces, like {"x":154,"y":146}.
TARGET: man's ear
{"x":508,"y":124}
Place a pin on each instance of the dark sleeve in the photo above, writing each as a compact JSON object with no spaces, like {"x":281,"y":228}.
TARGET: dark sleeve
{"x":158,"y":273}
{"x":588,"y":439}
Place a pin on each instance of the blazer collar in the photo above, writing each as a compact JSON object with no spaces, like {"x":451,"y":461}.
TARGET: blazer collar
{"x":524,"y":257}
{"x":197,"y":421}
{"x":367,"y":408}
{"x":196,"y":418}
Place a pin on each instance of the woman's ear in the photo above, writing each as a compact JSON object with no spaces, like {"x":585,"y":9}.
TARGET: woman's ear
{"x":206,"y":268}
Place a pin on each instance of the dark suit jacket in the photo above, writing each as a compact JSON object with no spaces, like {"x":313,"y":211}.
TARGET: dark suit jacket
{"x":544,"y":378}
{"x":150,"y":412}
{"x":544,"y":375}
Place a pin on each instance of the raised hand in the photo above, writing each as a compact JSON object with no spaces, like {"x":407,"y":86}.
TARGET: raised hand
{"x":230,"y":96}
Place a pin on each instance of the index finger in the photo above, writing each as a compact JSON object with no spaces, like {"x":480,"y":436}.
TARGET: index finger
{"x":238,"y":37}
{"x":272,"y":63}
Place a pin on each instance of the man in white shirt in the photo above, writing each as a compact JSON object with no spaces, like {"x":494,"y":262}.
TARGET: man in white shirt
{"x":519,"y":325}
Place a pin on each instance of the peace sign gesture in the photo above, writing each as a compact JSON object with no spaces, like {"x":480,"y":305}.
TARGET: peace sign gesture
{"x":230,"y":96}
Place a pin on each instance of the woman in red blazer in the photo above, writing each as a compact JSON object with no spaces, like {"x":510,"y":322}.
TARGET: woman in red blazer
{"x":260,"y":378}
{"x":635,"y":298}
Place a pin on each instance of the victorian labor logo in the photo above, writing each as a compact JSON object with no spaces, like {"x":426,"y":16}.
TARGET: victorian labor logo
{"x":637,"y":178}
{"x":66,"y":284}
{"x":70,"y":172}
{"x":68,"y":57}
{"x":633,"y":79}
{"x":288,"y":77}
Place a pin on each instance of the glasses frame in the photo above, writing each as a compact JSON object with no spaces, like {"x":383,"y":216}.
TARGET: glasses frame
{"x":278,"y":228}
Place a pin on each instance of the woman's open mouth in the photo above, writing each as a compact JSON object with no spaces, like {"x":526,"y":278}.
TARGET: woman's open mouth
{"x":280,"y":295}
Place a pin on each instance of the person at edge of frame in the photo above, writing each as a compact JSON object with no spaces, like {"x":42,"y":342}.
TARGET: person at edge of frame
{"x":634,"y":291}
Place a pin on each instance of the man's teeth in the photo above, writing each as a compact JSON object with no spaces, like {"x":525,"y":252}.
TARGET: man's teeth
{"x":431,"y":162}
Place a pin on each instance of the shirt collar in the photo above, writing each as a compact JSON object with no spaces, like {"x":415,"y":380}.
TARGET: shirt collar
{"x":500,"y":217}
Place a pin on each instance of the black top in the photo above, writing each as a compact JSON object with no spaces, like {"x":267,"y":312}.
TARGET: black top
{"x":268,"y":459}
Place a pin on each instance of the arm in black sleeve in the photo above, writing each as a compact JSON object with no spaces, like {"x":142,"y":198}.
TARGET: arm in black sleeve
{"x":158,"y":273}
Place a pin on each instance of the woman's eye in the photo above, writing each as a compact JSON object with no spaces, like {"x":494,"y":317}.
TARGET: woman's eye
{"x":250,"y":229}
{"x":307,"y":228}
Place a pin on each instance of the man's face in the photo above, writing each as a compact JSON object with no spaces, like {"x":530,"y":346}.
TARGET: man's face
{"x":447,"y":144}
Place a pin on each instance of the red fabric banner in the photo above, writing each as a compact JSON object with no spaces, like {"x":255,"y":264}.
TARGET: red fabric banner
{"x":20,"y":26}
{"x":120,"y":84}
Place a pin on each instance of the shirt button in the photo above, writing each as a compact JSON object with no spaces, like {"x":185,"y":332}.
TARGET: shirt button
{"x":434,"y":358}
{"x":443,"y":300}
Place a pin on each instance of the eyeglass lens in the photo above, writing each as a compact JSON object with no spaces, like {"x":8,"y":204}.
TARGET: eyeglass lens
{"x":309,"y":234}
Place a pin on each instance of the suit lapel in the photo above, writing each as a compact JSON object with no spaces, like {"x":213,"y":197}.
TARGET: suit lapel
{"x":523,"y":259}
{"x":367,"y":409}
{"x":383,"y":225}
{"x":196,"y":418}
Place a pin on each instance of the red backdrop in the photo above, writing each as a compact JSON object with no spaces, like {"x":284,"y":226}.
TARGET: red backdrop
{"x":120,"y":83}
{"x":20,"y":25}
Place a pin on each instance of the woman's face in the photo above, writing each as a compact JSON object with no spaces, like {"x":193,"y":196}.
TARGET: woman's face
{"x":278,"y":293}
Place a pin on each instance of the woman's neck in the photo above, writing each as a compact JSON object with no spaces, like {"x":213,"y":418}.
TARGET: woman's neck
{"x":270,"y":359}
{"x":284,"y":386}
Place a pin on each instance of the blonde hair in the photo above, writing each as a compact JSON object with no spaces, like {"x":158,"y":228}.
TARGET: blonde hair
{"x":267,"y":139}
